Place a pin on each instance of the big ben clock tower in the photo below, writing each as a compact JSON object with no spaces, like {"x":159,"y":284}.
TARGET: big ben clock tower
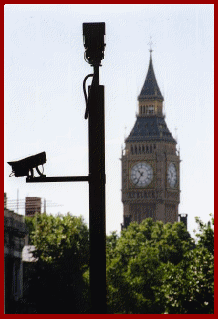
{"x":150,"y":161}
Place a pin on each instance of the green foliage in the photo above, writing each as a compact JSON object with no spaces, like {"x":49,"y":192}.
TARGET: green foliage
{"x":188,"y":287}
{"x":61,"y":237}
{"x":62,"y":252}
{"x":152,"y":268}
{"x":157,"y":268}
{"x":111,"y":242}
{"x":206,"y":234}
{"x":30,"y":223}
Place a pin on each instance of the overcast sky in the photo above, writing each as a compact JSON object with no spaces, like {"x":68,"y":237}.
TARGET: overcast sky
{"x":44,"y":101}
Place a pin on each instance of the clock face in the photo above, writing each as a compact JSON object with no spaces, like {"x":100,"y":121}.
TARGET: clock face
{"x":171,"y":175}
{"x":141,"y":174}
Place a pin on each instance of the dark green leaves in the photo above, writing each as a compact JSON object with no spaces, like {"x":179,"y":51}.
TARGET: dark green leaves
{"x":158,"y":268}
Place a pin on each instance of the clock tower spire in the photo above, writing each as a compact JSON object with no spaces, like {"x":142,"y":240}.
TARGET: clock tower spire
{"x":150,"y":162}
{"x":150,"y":92}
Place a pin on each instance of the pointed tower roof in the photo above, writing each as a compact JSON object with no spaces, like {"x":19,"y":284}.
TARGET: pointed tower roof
{"x":150,"y":89}
{"x":150,"y":129}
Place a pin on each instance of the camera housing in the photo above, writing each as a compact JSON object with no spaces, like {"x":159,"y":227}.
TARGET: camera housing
{"x":24,"y":167}
{"x":93,"y":38}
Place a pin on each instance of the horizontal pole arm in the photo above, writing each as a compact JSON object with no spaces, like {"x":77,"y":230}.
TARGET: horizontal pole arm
{"x":54,"y":179}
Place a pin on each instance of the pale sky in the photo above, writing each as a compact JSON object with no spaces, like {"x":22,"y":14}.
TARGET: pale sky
{"x":44,"y":101}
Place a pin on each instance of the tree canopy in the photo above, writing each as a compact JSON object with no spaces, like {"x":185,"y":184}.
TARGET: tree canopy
{"x":152,"y":267}
{"x":158,"y":268}
{"x":62,"y":252}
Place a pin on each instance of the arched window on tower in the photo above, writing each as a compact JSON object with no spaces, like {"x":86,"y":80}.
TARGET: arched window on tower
{"x":143,"y":149}
{"x":143,"y":109}
{"x":147,"y":149}
{"x":150,"y":148}
{"x":135,"y":149}
{"x":139,"y":149}
{"x":140,"y":109}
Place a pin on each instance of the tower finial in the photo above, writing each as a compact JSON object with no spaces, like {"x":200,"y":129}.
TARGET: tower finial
{"x":150,"y":43}
{"x":125,"y":132}
{"x":176,"y":136}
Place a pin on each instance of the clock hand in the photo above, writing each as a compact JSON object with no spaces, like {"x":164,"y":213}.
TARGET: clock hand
{"x":141,"y":173}
{"x":138,"y":180}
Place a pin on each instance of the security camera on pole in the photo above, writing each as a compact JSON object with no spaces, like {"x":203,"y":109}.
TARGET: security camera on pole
{"x":93,"y":35}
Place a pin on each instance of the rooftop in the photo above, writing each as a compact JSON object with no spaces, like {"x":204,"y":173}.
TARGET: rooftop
{"x":150,"y":89}
{"x":151,"y":128}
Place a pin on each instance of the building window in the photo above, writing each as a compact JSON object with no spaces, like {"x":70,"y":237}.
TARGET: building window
{"x":151,"y":109}
{"x":131,"y":149}
{"x":147,"y":149}
{"x":139,"y":149}
{"x":135,"y":149}
{"x":143,"y":149}
{"x":150,"y":148}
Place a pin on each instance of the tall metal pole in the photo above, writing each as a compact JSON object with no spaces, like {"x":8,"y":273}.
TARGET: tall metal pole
{"x":97,"y":196}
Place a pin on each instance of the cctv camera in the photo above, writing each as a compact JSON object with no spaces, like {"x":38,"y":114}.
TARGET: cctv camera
{"x":25,"y":166}
{"x":93,"y":37}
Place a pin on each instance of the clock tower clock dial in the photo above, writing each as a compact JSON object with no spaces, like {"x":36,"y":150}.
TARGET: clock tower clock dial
{"x":150,"y":161}
{"x":141,"y":174}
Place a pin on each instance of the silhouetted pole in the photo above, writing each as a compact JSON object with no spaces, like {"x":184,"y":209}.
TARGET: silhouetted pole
{"x":93,"y":36}
{"x":97,"y":196}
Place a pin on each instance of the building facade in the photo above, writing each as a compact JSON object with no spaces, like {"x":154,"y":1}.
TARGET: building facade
{"x":150,"y":161}
{"x":32,"y":206}
{"x":14,"y":239}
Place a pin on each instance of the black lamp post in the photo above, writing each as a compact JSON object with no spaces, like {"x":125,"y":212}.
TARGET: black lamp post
{"x":93,"y":34}
{"x":94,"y":44}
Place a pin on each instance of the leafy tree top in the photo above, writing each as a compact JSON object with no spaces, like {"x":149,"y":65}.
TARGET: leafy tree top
{"x":59,"y":237}
{"x":170,"y":240}
{"x":205,"y":235}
